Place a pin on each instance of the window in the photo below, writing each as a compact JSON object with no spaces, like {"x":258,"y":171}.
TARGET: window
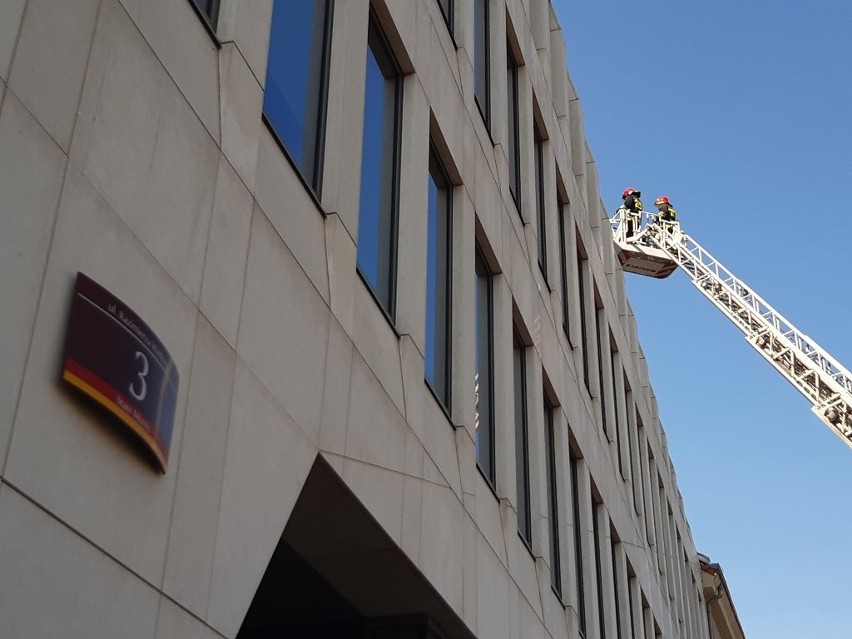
{"x":209,"y":9}
{"x":294,"y":102}
{"x":563,"y":269}
{"x":578,"y":543}
{"x":377,"y":222}
{"x":484,"y":376}
{"x":513,"y":143}
{"x":582,"y":284}
{"x":552,"y":495}
{"x":540,"y":202}
{"x":482,"y":59}
{"x":596,"y":532}
{"x":616,"y":582}
{"x":522,"y":442}
{"x":600,"y":327}
{"x":447,"y":12}
{"x":439,"y":252}
{"x":616,"y":408}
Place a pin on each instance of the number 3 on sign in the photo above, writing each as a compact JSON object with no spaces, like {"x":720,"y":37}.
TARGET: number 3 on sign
{"x":143,"y":387}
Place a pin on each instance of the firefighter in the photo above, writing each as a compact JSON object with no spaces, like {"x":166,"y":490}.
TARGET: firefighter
{"x":633,"y":207}
{"x":667,"y":216}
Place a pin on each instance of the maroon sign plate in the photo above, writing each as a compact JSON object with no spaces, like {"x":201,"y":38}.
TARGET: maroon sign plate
{"x":112,"y":356}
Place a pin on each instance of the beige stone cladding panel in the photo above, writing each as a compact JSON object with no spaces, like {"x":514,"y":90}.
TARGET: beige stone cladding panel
{"x":50,"y":62}
{"x":55,"y":584}
{"x":487,"y":518}
{"x":64,"y":455}
{"x":145,"y":150}
{"x":179,"y":39}
{"x":442,"y":543}
{"x":427,"y":419}
{"x":227,"y":253}
{"x":381,"y":492}
{"x":413,"y":214}
{"x":200,"y":471}
{"x":11,"y":15}
{"x":241,"y":98}
{"x":377,"y":431}
{"x":293,"y":213}
{"x":247,"y":24}
{"x":345,"y":117}
{"x":342,"y":255}
{"x":284,"y":327}
{"x":267,"y":461}
{"x":521,"y":562}
{"x":493,"y":593}
{"x":412,"y":500}
{"x":32,"y":170}
{"x":377,"y":342}
{"x":334,"y":417}
{"x":173,"y":622}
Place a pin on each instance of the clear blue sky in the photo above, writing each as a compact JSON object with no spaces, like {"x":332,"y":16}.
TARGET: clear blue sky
{"x":741,"y":112}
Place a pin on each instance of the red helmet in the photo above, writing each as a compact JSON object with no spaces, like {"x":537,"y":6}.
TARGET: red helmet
{"x":629,"y":191}
{"x":663,"y":199}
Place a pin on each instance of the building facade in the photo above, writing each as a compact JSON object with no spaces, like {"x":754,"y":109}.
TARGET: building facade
{"x":411,"y":398}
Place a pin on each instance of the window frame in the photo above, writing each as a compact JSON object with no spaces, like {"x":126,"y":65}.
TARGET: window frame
{"x":579,"y":556}
{"x":552,"y":495}
{"x":541,"y":206}
{"x":564,"y":272}
{"x":209,"y":15}
{"x":485,"y":316}
{"x":436,"y":169}
{"x":482,"y":60}
{"x":522,"y":438}
{"x":448,"y":14}
{"x":513,"y":116}
{"x":601,"y":325}
{"x":583,"y":286}
{"x":389,"y":67}
{"x":313,"y":181}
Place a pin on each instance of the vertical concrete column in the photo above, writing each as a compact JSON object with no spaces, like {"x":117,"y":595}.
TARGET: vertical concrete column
{"x":345,"y":117}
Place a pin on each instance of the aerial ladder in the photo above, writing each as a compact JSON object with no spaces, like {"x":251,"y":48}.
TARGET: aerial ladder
{"x":655,"y":248}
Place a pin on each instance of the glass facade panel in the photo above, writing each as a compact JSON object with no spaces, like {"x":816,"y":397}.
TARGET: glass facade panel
{"x":514,"y":139}
{"x":377,"y":232}
{"x":438,"y":356}
{"x":522,"y":456}
{"x":552,"y":496}
{"x":482,"y":59}
{"x":484,"y":376}
{"x":294,"y":101}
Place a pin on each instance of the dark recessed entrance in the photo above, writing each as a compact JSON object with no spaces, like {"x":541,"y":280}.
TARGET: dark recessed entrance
{"x":336,"y":574}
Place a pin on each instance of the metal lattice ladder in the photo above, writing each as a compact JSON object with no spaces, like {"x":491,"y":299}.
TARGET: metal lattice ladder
{"x":820,"y":378}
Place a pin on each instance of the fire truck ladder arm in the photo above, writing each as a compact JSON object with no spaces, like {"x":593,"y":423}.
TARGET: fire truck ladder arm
{"x":817,"y":375}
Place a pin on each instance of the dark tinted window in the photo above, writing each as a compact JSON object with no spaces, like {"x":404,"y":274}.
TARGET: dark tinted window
{"x":438,"y":282}
{"x":294,"y":100}
{"x":377,"y":233}
{"x":484,"y":376}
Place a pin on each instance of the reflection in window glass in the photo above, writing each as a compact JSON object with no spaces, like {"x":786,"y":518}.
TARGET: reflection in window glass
{"x":484,"y":376}
{"x":294,"y":100}
{"x":209,"y":9}
{"x":438,"y":287}
{"x":379,"y":171}
{"x":447,"y":11}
